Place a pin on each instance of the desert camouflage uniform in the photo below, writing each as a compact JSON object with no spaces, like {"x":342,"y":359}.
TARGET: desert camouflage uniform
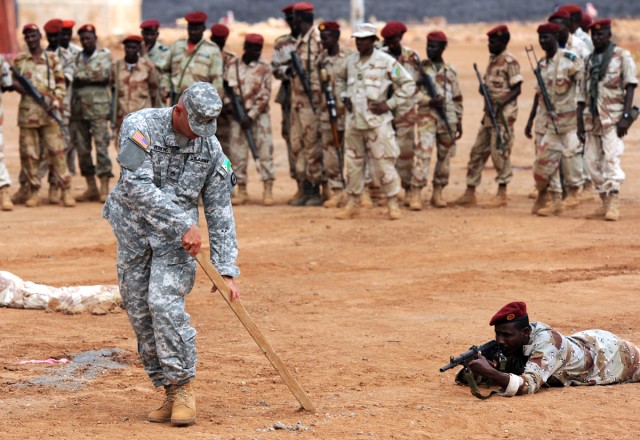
{"x":205,"y":65}
{"x":590,"y":357}
{"x":332,"y":163}
{"x":160,"y":56}
{"x":368,"y":134}
{"x":561,"y":75}
{"x":137,"y":89}
{"x":90,"y":112}
{"x":282,"y":48}
{"x":577,"y":47}
{"x":306,"y":140}
{"x":253,"y":83}
{"x":36,"y":126}
{"x":404,"y":118}
{"x":540,"y":128}
{"x":585,"y":38}
{"x":432,"y":131}
{"x":152,"y":206}
{"x":223,"y":133}
{"x":503,"y":73}
{"x":603,"y":147}
{"x":5,"y":81}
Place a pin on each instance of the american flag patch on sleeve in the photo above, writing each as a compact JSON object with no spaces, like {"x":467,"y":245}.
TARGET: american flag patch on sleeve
{"x":140,"y":139}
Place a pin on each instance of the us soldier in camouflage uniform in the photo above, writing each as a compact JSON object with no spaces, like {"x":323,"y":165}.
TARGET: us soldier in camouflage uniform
{"x":432,"y":131}
{"x":37,"y":128}
{"x":6,"y":84}
{"x":363,"y":83}
{"x":159,"y":54}
{"x":280,"y":62}
{"x":404,"y":117}
{"x":168,"y":157}
{"x":90,"y":113}
{"x":543,"y":356}
{"x":219,"y":35}
{"x":561,"y":72}
{"x":607,"y":95}
{"x":331,"y":61}
{"x":194,"y":58}
{"x":250,"y":79}
{"x":503,"y":81}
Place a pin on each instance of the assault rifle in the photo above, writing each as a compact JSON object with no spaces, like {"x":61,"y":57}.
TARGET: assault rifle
{"x":431,"y":90}
{"x":297,"y":67}
{"x":543,"y":89}
{"x":489,"y":108}
{"x":239,"y":113}
{"x":332,"y":109}
{"x":35,"y":94}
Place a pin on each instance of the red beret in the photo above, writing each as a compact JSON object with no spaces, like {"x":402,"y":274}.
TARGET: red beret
{"x":303,"y":7}
{"x":150,"y":24}
{"x":509,"y":313}
{"x":87,"y":28}
{"x":571,"y":9}
{"x":288,"y":9}
{"x":437,"y":36}
{"x":29,"y":27}
{"x":133,"y":39}
{"x":196,"y":17}
{"x":68,"y":24}
{"x":559,"y":15}
{"x":586,"y":20}
{"x":549,"y":28}
{"x":254,"y":39}
{"x":498,"y":31}
{"x":605,"y":23}
{"x":219,"y":30}
{"x":392,"y":29}
{"x":329,"y":26}
{"x":53,"y":26}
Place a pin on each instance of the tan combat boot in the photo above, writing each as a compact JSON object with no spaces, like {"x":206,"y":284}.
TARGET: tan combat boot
{"x":67,"y":199}
{"x":587,"y":193}
{"x":335,"y":199}
{"x":541,"y":201}
{"x":5,"y":200}
{"x":184,"y":405}
{"x":601,"y":211}
{"x":499,"y":200}
{"x":267,"y":197}
{"x":415,"y":203}
{"x":393,"y":208}
{"x":365,"y":199}
{"x":20,"y":196}
{"x":533,"y":194}
{"x":34,"y":199}
{"x":436,"y":197}
{"x":54,"y":195}
{"x":573,"y":198}
{"x":104,"y":188}
{"x":351,"y":209}
{"x":556,"y":207}
{"x":91,"y":194}
{"x":613,"y":213}
{"x":163,"y":414}
{"x":241,"y":196}
{"x":468,"y":198}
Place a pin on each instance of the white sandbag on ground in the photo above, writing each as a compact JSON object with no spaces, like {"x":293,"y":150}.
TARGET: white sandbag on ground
{"x":19,"y":294}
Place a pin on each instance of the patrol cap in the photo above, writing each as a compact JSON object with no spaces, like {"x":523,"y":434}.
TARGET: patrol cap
{"x":437,"y":36}
{"x":256,"y":39}
{"x":510,"y":313}
{"x":498,"y":31}
{"x":392,"y":29}
{"x":68,"y":24}
{"x":219,"y":30}
{"x":203,"y":106}
{"x":53,"y":26}
{"x":30,"y":27}
{"x":197,"y":17}
{"x":153,"y":25}
{"x":329,"y":26}
{"x":87,"y":28}
{"x":549,"y":28}
{"x":364,"y":30}
{"x":597,"y":25}
{"x":133,"y":39}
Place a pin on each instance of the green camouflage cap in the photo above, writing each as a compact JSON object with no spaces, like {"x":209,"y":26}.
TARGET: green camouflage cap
{"x":203,"y":106}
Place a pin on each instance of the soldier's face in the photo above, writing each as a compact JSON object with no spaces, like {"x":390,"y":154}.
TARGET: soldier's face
{"x":600,"y":39}
{"x":365,"y":45}
{"x":53,"y":39}
{"x":511,"y":339}
{"x":328,"y":39}
{"x":150,"y":36}
{"x":195,"y":31}
{"x":393,"y":43}
{"x":496,"y":45}
{"x":548,"y":42}
{"x":32,"y":39}
{"x":219,"y":41}
{"x":131,"y":50}
{"x":180,"y":120}
{"x":435,"y":49}
{"x":65,"y":37}
{"x":252,"y":52}
{"x":563,"y":37}
{"x":88,"y":41}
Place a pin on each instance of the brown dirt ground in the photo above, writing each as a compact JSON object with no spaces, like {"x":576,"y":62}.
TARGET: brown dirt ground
{"x":363,"y":312}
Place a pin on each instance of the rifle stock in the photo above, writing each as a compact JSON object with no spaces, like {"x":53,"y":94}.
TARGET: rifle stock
{"x":297,"y":67}
{"x":489,"y":106}
{"x":431,"y":90}
{"x":35,"y":94}
{"x":240,"y":114}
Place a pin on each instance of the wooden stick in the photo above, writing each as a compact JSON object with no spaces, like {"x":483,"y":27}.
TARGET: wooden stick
{"x":254,"y":331}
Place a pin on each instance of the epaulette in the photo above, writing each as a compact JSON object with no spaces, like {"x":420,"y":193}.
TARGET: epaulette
{"x":163,"y":48}
{"x":570,"y":55}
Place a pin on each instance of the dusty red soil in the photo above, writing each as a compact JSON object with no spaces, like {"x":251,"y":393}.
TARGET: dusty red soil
{"x":363,"y":312}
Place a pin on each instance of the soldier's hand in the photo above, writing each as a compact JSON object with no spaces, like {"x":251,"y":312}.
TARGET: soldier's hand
{"x":192,"y":240}
{"x":481,"y":366}
{"x":622,"y":127}
{"x":379,"y":108}
{"x":246,"y":122}
{"x":437,"y":102}
{"x":347,"y":104}
{"x":581,"y":133}
{"x":235,"y":293}
{"x":458,"y":130}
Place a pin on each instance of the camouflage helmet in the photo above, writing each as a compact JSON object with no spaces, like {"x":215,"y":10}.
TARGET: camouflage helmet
{"x":203,"y":106}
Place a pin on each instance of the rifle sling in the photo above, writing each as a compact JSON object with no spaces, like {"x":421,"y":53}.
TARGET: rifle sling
{"x":184,"y":69}
{"x":468,"y":375}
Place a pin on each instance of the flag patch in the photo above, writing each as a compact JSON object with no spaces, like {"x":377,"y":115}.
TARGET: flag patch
{"x":140,"y":139}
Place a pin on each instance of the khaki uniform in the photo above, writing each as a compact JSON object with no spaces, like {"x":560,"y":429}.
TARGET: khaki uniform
{"x":432,"y":131}
{"x":253,"y":83}
{"x":203,"y":63}
{"x":90,"y":112}
{"x":561,"y":75}
{"x":5,"y":81}
{"x":306,"y":141}
{"x":160,"y":56}
{"x":365,"y":132}
{"x":603,"y":147}
{"x":36,"y":126}
{"x":503,"y":73}
{"x":540,"y":128}
{"x":332,"y":161}
{"x":404,"y":118}
{"x":223,"y":133}
{"x":282,"y":48}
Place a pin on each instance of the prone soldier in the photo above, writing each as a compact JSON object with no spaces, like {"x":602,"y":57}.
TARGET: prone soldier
{"x":159,"y":54}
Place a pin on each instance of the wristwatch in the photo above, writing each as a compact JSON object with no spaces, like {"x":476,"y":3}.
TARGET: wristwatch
{"x":626,"y":116}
